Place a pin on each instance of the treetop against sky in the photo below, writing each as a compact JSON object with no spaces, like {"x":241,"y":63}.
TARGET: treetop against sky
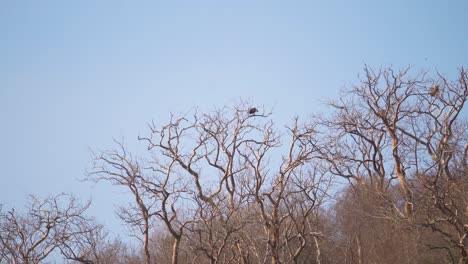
{"x":76,"y":75}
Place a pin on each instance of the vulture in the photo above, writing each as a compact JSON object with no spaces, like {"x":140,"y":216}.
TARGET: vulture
{"x":252,"y":111}
{"x":434,"y":90}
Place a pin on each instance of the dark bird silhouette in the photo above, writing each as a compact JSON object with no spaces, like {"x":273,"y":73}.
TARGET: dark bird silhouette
{"x":434,"y":90}
{"x":252,"y":111}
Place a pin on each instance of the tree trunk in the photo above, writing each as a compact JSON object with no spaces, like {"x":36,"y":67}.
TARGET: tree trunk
{"x":464,"y":258}
{"x":243,"y":259}
{"x":318,"y":250}
{"x":274,"y":259}
{"x":359,"y":249}
{"x":401,"y":175}
{"x":274,"y":237}
{"x":175,"y":250}
{"x":145,"y":243}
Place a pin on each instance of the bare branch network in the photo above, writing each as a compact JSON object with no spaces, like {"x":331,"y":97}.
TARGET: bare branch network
{"x":382,"y":178}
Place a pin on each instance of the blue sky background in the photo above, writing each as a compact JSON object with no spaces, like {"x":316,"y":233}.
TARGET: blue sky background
{"x":76,"y":74}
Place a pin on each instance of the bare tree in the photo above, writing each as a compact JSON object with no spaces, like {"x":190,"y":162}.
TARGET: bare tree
{"x":204,"y":151}
{"x":395,"y":127}
{"x":96,"y":247}
{"x":305,"y":197}
{"x":441,"y":145}
{"x":90,"y":247}
{"x":225,"y":157}
{"x":363,"y":142}
{"x":47,"y":225}
{"x":230,"y":187}
{"x":172,"y":197}
{"x":78,"y":246}
{"x":272,"y":193}
{"x":120,"y":168}
{"x":214,"y":237}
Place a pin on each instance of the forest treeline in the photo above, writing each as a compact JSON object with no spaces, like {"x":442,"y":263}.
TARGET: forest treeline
{"x":380,"y":177}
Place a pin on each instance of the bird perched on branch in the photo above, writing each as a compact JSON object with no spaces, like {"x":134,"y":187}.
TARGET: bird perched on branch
{"x":435,"y":90}
{"x":252,"y":111}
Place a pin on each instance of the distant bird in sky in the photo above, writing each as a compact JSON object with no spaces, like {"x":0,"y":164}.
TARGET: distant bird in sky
{"x":252,"y":111}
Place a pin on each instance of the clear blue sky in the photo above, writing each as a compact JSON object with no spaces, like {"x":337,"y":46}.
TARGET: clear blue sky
{"x":76,"y":74}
